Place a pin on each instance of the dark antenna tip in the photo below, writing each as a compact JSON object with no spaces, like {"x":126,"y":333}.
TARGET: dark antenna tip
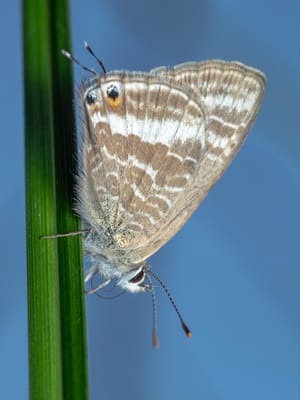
{"x":155,"y":341}
{"x":186,"y":329}
{"x":183,"y":324}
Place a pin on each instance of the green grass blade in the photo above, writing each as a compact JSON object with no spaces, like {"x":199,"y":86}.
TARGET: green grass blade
{"x":74,"y":355}
{"x":56,"y":319}
{"x":42,"y":266}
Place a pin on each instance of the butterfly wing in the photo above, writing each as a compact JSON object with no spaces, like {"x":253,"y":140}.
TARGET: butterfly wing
{"x":231,"y":94}
{"x":143,"y":142}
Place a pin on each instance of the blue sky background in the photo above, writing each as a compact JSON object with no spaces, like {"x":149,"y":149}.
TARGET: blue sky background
{"x":234,"y":267}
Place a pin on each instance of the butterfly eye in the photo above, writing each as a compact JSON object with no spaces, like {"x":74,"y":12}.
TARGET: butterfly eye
{"x":139,"y":277}
{"x":91,"y":98}
{"x":112,"y":92}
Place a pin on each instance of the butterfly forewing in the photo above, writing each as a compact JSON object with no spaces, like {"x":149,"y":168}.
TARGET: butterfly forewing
{"x":231,"y":94}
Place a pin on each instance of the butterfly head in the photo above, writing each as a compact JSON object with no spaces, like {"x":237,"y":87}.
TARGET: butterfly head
{"x":133,"y":281}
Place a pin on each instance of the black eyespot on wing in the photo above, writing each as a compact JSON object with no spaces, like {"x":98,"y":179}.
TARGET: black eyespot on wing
{"x":112,"y":92}
{"x":90,"y":98}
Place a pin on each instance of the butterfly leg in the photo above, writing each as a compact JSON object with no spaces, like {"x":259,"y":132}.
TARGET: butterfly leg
{"x":100,"y":286}
{"x":90,"y":275}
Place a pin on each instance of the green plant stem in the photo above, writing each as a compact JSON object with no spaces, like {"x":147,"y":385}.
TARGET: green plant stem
{"x":56,"y":317}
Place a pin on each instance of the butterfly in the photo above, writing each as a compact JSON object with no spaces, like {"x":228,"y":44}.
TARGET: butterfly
{"x":153,"y":145}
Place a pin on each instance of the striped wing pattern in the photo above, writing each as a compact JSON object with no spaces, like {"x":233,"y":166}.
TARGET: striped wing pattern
{"x":154,"y":145}
{"x":140,"y":150}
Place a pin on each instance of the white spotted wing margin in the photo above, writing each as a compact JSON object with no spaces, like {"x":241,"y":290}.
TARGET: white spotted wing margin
{"x":150,"y":156}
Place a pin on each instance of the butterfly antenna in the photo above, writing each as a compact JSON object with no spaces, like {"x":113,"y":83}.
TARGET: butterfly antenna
{"x":155,"y":341}
{"x":183,"y":324}
{"x":89,"y":49}
{"x":72,"y":58}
